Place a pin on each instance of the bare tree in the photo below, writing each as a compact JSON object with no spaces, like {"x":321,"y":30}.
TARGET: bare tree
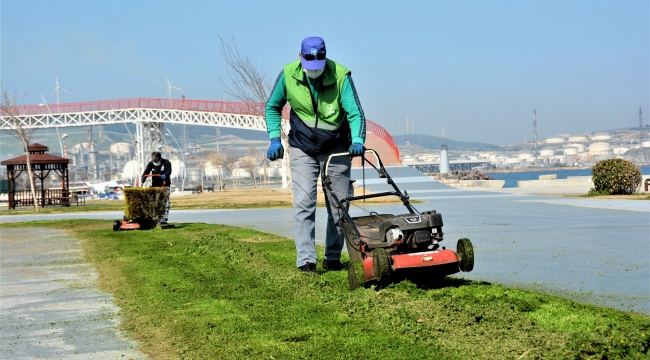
{"x":20,"y":130}
{"x":249,"y":82}
{"x":230,"y":160}
{"x":250,"y":85}
{"x":250,"y":163}
{"x":217,"y":161}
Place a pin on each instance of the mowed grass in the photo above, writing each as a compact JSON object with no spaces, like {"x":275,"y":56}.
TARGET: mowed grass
{"x":197,"y":291}
{"x":229,"y":199}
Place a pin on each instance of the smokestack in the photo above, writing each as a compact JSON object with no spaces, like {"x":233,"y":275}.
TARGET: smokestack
{"x":92,"y":160}
{"x":444,"y":160}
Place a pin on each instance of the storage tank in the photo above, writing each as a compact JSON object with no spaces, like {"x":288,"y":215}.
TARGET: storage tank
{"x":525,"y":155}
{"x":580,"y":147}
{"x":547,"y":151}
{"x":570,"y":150}
{"x":566,"y":136}
{"x":178,"y":169}
{"x":512,"y":161}
{"x":132,"y":170}
{"x":620,"y":150}
{"x":599,"y":148}
{"x":558,"y":159}
{"x":121,"y":148}
{"x":555,"y":140}
{"x":211,"y":171}
{"x":577,"y":138}
{"x":601,"y":136}
{"x":645,"y":144}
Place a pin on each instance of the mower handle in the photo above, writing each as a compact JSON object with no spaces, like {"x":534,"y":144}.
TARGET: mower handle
{"x":157,"y":175}
{"x":327,"y":164}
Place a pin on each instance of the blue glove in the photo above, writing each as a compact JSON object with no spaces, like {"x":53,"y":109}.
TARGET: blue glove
{"x":163,"y":176}
{"x":276,"y":151}
{"x":356,"y":149}
{"x":142,"y":180}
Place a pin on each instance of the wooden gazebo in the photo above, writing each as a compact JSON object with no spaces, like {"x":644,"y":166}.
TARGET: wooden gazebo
{"x":42,"y":164}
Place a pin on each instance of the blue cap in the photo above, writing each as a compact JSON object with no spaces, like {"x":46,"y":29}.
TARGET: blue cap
{"x":314,"y":46}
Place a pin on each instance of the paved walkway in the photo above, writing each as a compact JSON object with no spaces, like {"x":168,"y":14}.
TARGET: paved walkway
{"x":50,"y":305}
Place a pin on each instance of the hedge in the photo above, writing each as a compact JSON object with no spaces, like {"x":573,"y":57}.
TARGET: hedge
{"x":145,"y":203}
{"x":616,"y":177}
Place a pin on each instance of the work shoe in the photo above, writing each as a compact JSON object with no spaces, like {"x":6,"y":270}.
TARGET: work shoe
{"x":332,"y":265}
{"x":308,"y":267}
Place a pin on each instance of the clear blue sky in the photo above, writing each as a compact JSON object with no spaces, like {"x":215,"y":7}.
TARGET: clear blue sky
{"x":475,"y":68}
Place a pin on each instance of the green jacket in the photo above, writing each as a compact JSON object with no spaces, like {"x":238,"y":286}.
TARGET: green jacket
{"x":340,"y":116}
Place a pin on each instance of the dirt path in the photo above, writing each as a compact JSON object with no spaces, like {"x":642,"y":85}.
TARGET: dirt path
{"x":50,"y":305}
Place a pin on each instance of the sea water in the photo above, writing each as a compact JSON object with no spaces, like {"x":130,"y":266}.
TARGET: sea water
{"x":512,"y":178}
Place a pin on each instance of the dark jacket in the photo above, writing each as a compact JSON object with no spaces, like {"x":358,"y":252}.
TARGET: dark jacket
{"x":165,"y":167}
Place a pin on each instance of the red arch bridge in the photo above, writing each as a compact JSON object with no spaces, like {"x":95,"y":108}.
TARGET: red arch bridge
{"x":151,"y":115}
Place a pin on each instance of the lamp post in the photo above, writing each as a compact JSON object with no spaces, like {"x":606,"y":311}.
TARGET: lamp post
{"x":183,"y":155}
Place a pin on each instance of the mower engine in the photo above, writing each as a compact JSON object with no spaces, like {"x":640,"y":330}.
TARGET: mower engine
{"x":414,"y":232}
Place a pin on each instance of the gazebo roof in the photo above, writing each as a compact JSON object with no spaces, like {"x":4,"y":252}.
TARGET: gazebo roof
{"x":36,"y":147}
{"x":36,"y":158}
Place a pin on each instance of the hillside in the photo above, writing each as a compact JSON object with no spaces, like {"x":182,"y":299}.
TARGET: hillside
{"x":434,"y":142}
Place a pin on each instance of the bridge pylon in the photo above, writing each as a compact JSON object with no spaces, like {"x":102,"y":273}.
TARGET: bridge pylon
{"x":149,"y":138}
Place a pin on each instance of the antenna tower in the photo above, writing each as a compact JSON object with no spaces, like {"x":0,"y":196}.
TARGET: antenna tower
{"x":535,"y":134}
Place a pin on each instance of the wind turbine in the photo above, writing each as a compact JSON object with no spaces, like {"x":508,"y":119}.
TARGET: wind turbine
{"x":170,"y":88}
{"x":57,"y":88}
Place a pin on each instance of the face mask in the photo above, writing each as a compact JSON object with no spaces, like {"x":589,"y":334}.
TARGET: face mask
{"x":156,"y":164}
{"x":314,"y":74}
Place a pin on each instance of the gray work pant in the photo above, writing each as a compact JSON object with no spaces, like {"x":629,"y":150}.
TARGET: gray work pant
{"x":169,"y":195}
{"x":305,"y":170}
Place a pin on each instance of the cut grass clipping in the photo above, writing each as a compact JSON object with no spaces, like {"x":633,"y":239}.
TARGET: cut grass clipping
{"x":199,"y":291}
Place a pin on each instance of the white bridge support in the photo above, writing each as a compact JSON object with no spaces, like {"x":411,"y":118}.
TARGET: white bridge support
{"x":149,"y":115}
{"x":149,"y":138}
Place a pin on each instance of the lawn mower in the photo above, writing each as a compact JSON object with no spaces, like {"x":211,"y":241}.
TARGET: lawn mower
{"x":383,"y":247}
{"x":143,"y":222}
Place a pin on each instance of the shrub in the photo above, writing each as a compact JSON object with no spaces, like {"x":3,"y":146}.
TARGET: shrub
{"x":145,"y":204}
{"x":616,"y":177}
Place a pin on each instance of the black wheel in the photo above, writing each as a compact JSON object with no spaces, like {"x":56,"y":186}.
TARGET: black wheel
{"x":356,"y":277}
{"x":116,"y":225}
{"x":380,"y":264}
{"x":465,"y":253}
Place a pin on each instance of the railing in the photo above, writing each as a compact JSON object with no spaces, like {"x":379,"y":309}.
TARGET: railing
{"x":230,"y":107}
{"x":56,"y":197}
{"x":379,"y":130}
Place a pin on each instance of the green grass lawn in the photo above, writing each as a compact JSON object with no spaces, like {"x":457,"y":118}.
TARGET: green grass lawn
{"x":197,"y":291}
